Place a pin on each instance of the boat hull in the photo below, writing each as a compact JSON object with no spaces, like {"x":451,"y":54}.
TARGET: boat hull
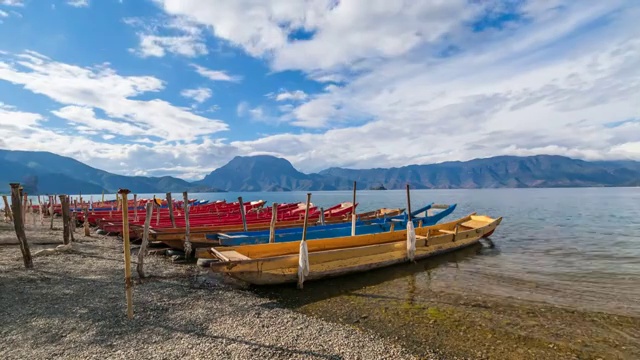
{"x":284,"y":277}
{"x":277,"y":263}
{"x":329,"y":231}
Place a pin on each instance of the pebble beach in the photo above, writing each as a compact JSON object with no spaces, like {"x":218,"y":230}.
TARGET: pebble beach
{"x":72,"y":305}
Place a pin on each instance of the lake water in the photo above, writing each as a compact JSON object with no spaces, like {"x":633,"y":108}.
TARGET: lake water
{"x":572,"y":247}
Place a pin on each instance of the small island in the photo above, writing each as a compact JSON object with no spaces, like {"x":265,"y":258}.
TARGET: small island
{"x":378,"y":187}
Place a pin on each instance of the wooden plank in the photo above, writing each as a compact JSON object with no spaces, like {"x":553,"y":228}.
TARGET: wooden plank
{"x":233,"y":255}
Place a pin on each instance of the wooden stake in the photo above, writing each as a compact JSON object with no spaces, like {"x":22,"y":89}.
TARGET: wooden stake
{"x":24,"y":206}
{"x":145,"y":240}
{"x":304,"y":234}
{"x":18,"y":225}
{"x":102,"y":197}
{"x":7,"y":208}
{"x":242,"y":214}
{"x":87,"y":231}
{"x":127,"y":253}
{"x":51,"y":201}
{"x":41,"y":211}
{"x":187,"y":243}
{"x":31,"y":214}
{"x":408,"y":203}
{"x":322,"y":216}
{"x":272,"y":226}
{"x":135,"y":207}
{"x":170,"y":205}
{"x":72,"y":225}
{"x":157,"y":213}
{"x":353,"y":211}
{"x":64,"y":202}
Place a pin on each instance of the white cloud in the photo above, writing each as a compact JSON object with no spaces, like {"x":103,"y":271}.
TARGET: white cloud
{"x":86,"y":116}
{"x":200,"y":95}
{"x":102,"y":88}
{"x":78,"y":3}
{"x":158,"y":46}
{"x":214,"y":75}
{"x":297,"y":95}
{"x":174,"y":35}
{"x":12,"y":2}
{"x":4,"y":13}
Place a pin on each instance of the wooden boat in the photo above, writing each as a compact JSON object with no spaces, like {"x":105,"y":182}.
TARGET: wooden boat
{"x":383,"y":224}
{"x":277,"y":263}
{"x":174,"y":238}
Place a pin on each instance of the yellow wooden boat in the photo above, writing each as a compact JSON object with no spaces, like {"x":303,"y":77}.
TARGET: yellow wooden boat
{"x":277,"y":263}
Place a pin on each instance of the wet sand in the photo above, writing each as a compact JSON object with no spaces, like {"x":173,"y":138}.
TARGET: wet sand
{"x":463,"y":323}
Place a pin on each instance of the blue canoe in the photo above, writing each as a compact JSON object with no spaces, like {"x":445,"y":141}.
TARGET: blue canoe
{"x":333,"y":230}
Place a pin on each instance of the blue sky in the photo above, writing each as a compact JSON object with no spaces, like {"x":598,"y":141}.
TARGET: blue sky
{"x":179,"y":87}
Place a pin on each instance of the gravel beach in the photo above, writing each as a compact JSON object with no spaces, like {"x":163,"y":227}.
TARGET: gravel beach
{"x":72,"y":305}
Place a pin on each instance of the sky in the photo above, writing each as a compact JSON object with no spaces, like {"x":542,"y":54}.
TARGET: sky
{"x":180,"y":87}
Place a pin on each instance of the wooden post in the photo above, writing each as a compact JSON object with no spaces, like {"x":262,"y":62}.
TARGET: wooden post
{"x":72,"y":225}
{"x":157,"y":213}
{"x":304,"y":258}
{"x":102,"y":198}
{"x":145,"y":240}
{"x":170,"y":205}
{"x":127,"y":252}
{"x":80,"y":201}
{"x":41,"y":211}
{"x":242,"y":214}
{"x":18,"y":225}
{"x":7,"y":209}
{"x":420,"y":223}
{"x":87,"y":231}
{"x":353,"y":211}
{"x":322,"y":216}
{"x":187,"y":242}
{"x":64,"y":202}
{"x":408,"y":203}
{"x":272,"y":226}
{"x":455,"y":234}
{"x":135,"y":207}
{"x":51,"y":208}
{"x":31,"y":214}
{"x":24,"y":205}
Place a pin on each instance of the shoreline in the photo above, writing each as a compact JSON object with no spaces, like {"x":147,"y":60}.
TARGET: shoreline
{"x":72,"y":305}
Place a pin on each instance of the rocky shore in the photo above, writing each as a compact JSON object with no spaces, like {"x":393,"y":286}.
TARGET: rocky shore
{"x":72,"y":305}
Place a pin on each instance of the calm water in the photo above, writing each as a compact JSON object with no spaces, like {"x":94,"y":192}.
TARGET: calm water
{"x":572,"y":247}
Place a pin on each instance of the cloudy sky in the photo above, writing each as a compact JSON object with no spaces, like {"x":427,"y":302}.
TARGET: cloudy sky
{"x":179,"y":87}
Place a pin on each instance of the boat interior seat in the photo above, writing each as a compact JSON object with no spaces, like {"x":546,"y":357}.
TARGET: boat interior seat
{"x":447,"y":231}
{"x":233,"y":255}
{"x":474,"y":224}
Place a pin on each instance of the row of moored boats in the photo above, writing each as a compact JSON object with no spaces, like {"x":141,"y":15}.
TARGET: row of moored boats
{"x":270,"y":244}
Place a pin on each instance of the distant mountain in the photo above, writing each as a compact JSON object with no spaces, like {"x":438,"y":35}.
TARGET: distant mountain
{"x":499,"y":172}
{"x":43,"y":172}
{"x":48,"y":173}
{"x":267,"y":173}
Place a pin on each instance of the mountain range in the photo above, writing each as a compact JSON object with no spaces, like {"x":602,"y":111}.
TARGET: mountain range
{"x":48,"y":173}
